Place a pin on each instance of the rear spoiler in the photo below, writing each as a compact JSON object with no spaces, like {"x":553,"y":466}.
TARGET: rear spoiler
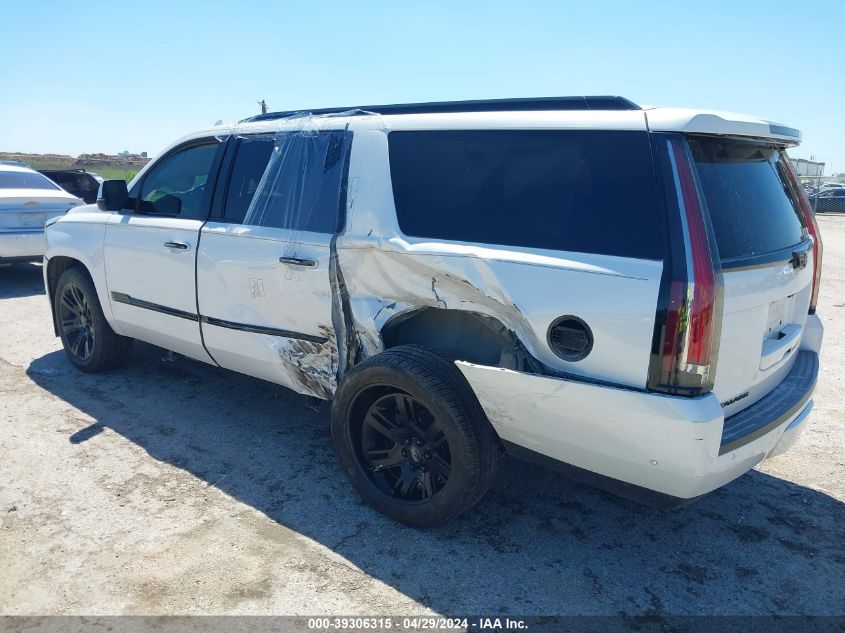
{"x":690,"y":121}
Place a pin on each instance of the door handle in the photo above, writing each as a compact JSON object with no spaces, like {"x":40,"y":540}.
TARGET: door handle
{"x":296,"y":261}
{"x":179,"y":246}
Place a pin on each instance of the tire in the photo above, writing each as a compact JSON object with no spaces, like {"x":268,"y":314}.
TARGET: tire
{"x":438,"y":455}
{"x":88,"y":339}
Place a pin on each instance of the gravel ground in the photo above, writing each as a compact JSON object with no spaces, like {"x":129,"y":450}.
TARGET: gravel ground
{"x":172,"y":487}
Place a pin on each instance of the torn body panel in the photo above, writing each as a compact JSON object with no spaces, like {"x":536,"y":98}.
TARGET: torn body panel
{"x":309,"y":367}
{"x":390,"y":279}
{"x":263,"y":317}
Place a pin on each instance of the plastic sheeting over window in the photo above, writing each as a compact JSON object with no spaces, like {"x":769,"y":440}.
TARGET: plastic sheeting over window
{"x":303,"y":186}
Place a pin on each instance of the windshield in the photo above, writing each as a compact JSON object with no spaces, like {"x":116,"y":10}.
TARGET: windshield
{"x":24,"y":180}
{"x":751,"y":208}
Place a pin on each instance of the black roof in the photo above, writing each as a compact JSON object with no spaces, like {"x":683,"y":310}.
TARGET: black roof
{"x":479,"y":105}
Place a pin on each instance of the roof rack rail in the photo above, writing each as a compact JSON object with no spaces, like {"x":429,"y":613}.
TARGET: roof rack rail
{"x":478,"y":105}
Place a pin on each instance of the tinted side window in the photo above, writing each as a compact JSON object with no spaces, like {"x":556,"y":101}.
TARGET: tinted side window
{"x":177,"y":184}
{"x":13,"y":179}
{"x":59,"y":179}
{"x":304,"y":187}
{"x":251,"y":158}
{"x":581,"y":191}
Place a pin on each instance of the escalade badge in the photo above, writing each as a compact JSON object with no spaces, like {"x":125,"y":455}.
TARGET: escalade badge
{"x":735,"y":399}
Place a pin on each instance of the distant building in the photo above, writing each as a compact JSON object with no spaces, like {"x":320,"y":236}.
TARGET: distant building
{"x":805,"y":167}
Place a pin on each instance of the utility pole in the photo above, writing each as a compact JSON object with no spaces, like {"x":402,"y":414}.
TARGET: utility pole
{"x":263,"y":105}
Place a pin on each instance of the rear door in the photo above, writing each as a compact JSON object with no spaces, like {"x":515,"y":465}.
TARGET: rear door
{"x":767,"y":265}
{"x":265,"y":295}
{"x":150,"y":249}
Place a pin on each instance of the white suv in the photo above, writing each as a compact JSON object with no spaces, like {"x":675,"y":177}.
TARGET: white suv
{"x":626,"y":294}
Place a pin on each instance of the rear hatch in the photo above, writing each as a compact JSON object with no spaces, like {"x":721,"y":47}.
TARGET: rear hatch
{"x":767,"y":264}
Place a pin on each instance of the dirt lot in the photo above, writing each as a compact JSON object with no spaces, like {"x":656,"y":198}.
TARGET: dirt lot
{"x":175,"y":487}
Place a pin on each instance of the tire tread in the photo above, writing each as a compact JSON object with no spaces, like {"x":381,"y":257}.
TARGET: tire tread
{"x":442,"y":380}
{"x":112,"y":350}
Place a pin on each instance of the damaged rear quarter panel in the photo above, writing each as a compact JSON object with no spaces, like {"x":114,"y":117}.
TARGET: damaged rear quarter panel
{"x":388,"y":274}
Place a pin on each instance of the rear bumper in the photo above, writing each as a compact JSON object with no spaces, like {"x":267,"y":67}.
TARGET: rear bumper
{"x":778,"y":407}
{"x":654,"y":444}
{"x":23,"y":244}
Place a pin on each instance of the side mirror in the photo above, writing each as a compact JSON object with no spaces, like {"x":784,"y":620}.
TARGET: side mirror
{"x":113,"y":195}
{"x":168,"y":205}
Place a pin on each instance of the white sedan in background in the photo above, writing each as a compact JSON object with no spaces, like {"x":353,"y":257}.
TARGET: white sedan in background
{"x":27,"y":200}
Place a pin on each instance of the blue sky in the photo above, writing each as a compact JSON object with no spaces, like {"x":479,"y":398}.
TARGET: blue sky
{"x":106,"y":76}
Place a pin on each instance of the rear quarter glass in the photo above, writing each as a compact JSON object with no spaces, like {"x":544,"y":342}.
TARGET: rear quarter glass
{"x":568,"y":190}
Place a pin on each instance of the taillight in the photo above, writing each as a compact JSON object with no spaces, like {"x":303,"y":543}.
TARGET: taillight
{"x":688,"y":324}
{"x":812,"y":228}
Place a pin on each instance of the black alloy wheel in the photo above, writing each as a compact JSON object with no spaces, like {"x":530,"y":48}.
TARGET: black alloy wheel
{"x":412,"y":436}
{"x":404,"y":448}
{"x":89,"y":341}
{"x":76,"y":320}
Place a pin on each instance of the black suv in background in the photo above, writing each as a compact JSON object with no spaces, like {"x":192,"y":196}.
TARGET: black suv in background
{"x":78,"y":182}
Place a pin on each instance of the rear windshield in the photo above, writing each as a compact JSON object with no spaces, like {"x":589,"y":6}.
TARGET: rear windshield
{"x":751,"y":207}
{"x":570,"y":190}
{"x":24,"y":180}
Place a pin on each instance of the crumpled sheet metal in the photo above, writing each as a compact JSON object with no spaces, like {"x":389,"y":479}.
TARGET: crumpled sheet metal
{"x":310,"y":368}
{"x":385,"y":276}
{"x":387,"y":283}
{"x":389,"y":278}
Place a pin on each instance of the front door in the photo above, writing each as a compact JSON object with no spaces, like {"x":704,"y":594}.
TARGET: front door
{"x":265,"y":291}
{"x":150,"y":250}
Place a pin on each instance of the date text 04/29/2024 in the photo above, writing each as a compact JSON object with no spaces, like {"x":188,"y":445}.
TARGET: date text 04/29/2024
{"x":417,"y":624}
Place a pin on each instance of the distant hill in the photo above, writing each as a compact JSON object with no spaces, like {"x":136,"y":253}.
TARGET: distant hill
{"x":107,"y":165}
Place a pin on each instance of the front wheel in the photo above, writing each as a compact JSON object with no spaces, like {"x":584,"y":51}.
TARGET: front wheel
{"x":412,"y":436}
{"x":88,"y":339}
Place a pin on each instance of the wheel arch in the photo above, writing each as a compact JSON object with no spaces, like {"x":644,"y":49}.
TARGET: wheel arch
{"x":457,"y":335}
{"x":56,"y":266}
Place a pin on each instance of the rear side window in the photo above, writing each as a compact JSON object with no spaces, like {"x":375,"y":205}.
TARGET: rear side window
{"x":581,"y":191}
{"x":24,"y":180}
{"x":251,"y":160}
{"x":751,"y":207}
{"x":81,"y":185}
{"x":304,"y":185}
{"x":59,"y":179}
